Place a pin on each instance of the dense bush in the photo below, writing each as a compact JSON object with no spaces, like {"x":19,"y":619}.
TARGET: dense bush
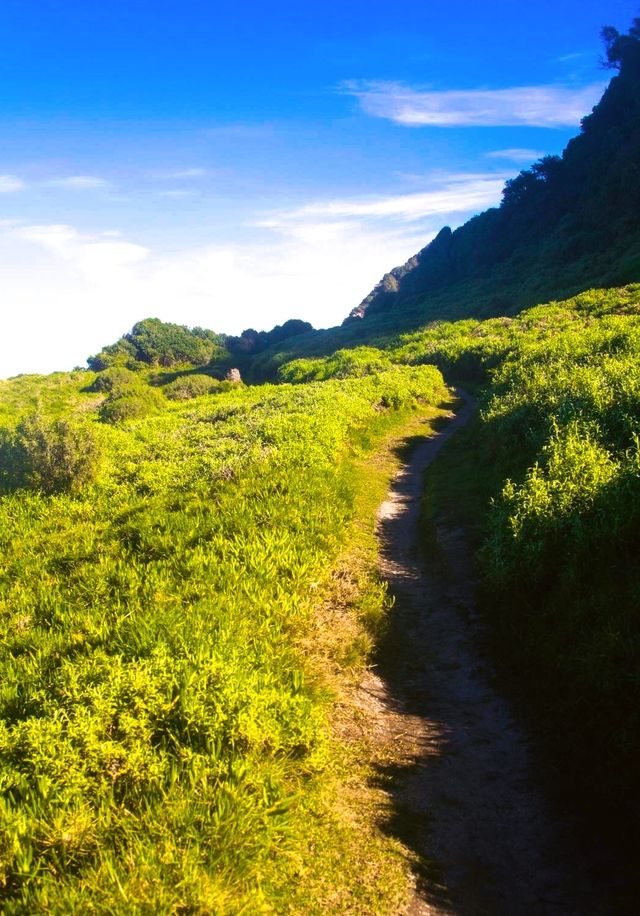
{"x":54,"y":456}
{"x":190,"y":386}
{"x":354,"y":363}
{"x":158,"y":343}
{"x":114,"y":378}
{"x":130,"y":402}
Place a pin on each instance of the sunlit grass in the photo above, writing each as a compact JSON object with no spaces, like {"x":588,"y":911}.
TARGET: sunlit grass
{"x":165,"y":742}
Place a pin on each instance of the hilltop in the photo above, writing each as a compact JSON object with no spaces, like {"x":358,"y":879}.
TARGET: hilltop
{"x":566,"y":224}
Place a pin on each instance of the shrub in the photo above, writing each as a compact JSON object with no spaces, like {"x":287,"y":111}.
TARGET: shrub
{"x":54,"y":456}
{"x":113,"y":379}
{"x":190,"y":386}
{"x":355,"y":363}
{"x":159,"y":343}
{"x":130,"y":403}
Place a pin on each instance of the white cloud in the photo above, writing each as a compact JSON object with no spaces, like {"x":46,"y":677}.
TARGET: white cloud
{"x":178,"y":174}
{"x":454,"y":193}
{"x":79,"y":182}
{"x":315,"y":262}
{"x":530,"y":106}
{"x":93,"y":256}
{"x":9,"y":184}
{"x":81,"y":293}
{"x":516,"y":154}
{"x":176,"y":194}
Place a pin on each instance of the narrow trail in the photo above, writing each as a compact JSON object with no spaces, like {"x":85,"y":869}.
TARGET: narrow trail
{"x":460,"y":770}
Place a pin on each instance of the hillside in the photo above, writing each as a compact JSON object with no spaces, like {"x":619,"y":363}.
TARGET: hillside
{"x":547,"y":480}
{"x":197,"y":585}
{"x":169,"y":651}
{"x":185,"y":604}
{"x":567,"y":224}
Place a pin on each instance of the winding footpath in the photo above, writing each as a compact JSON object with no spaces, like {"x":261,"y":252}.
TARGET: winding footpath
{"x":460,"y":770}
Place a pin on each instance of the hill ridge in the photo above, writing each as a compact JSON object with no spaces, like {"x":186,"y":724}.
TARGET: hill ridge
{"x":565,"y":225}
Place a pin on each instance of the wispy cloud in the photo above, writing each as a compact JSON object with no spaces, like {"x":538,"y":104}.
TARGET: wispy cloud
{"x":523,"y":106}
{"x":9,"y":184}
{"x":90,"y":254}
{"x":515,"y":154}
{"x":176,"y":194}
{"x":177,"y":174}
{"x":575,"y":55}
{"x":455,"y":193}
{"x":79,"y":182}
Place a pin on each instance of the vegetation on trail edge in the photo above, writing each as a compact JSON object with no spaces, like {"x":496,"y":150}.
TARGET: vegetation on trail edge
{"x":548,"y":478}
{"x":165,"y":742}
{"x":178,"y":609}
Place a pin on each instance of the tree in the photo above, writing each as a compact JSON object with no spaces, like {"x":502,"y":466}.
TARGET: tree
{"x":159,"y":343}
{"x":618,"y":46}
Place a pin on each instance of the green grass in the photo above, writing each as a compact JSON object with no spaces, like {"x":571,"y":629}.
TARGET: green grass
{"x":547,"y":482}
{"x":165,"y":742}
{"x":180,"y":635}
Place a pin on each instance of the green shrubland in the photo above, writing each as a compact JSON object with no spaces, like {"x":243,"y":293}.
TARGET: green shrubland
{"x":168,"y":662}
{"x":165,"y":742}
{"x":550,"y":477}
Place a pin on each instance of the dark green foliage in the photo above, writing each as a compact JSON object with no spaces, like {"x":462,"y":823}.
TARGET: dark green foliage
{"x":190,"y":386}
{"x":566,"y":224}
{"x":157,"y":343}
{"x":251,"y":341}
{"x":619,"y":47}
{"x":53,"y":456}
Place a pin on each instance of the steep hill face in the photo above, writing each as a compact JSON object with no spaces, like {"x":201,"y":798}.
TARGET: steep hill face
{"x":566,"y":224}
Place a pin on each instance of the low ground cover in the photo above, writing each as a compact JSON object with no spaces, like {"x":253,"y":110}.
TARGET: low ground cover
{"x":165,"y":741}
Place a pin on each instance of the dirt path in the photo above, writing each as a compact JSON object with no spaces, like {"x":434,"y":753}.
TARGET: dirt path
{"x":457,"y":766}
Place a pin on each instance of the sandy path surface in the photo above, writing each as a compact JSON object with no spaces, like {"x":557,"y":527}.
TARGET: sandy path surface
{"x":460,"y":772}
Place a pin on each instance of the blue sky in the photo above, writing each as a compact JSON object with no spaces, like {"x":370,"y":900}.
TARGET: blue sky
{"x":235,"y":165}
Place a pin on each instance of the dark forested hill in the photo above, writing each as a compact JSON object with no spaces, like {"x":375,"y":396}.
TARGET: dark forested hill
{"x":566,"y":224}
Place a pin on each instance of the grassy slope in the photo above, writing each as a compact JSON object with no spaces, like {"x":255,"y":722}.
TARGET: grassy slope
{"x":549,"y":480}
{"x":236,"y":513}
{"x":165,"y":742}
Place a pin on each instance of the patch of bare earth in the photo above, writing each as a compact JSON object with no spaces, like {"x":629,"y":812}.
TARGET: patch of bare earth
{"x":456,"y":767}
